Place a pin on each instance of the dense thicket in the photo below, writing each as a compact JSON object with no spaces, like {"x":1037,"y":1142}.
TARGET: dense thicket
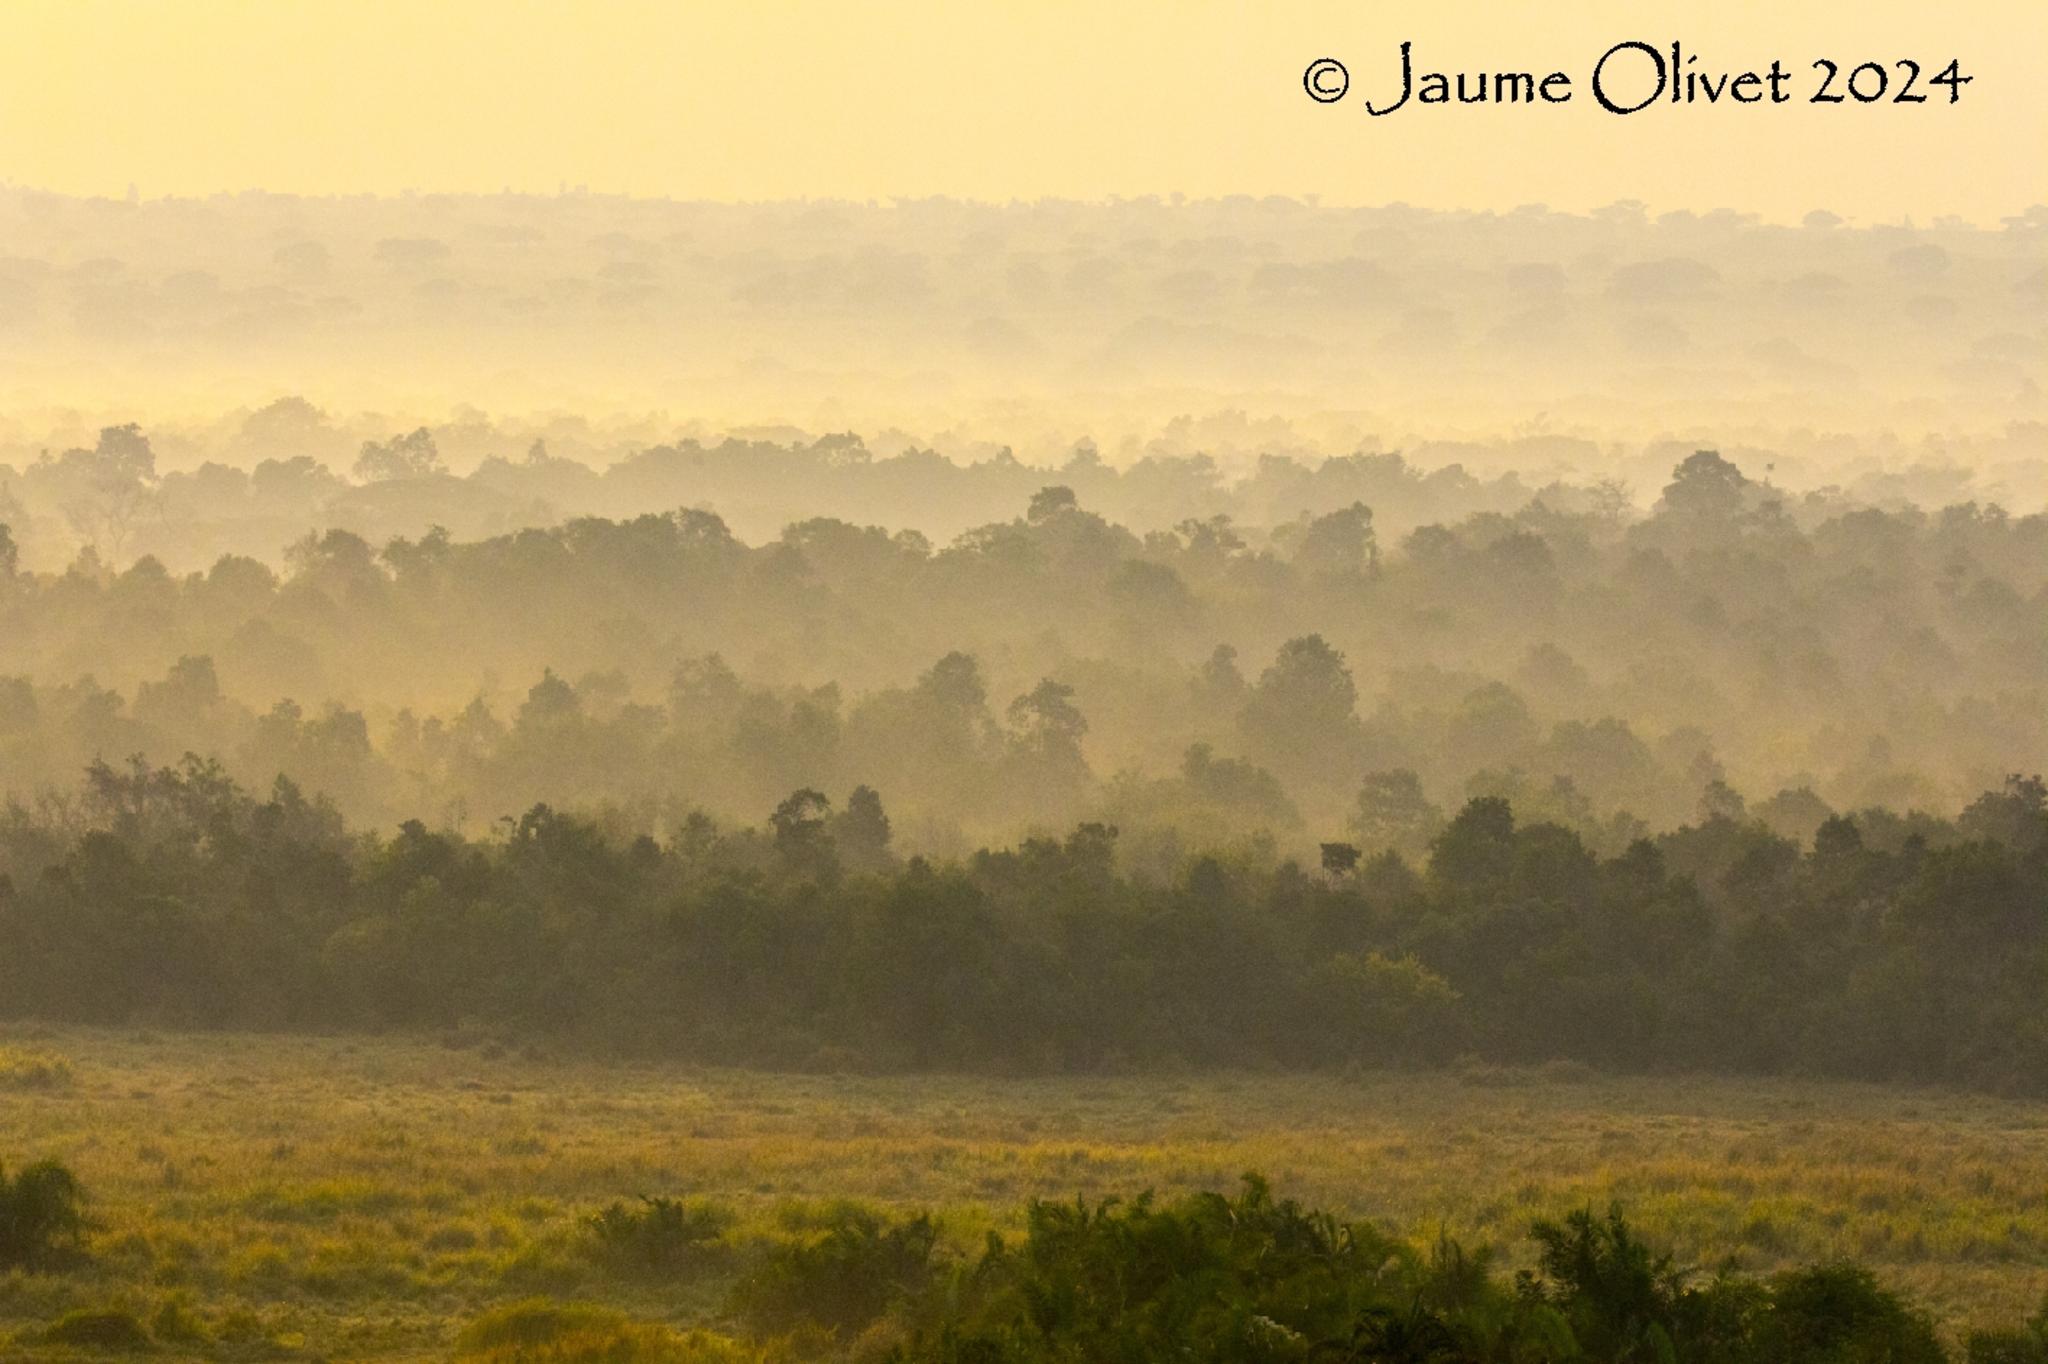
{"x":1192,"y":685}
{"x":1891,"y":948}
{"x":1259,"y":1280}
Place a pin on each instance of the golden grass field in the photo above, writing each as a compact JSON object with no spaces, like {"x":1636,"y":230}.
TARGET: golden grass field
{"x":315,"y":1197}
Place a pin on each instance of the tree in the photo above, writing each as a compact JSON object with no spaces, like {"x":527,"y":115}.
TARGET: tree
{"x":1339,"y":545}
{"x":1719,"y":800}
{"x":1303,"y":713}
{"x":1491,"y":724}
{"x":412,"y":455}
{"x":954,"y":684}
{"x":189,"y":694}
{"x":287,"y":425}
{"x":1339,"y":858}
{"x":861,"y":831}
{"x":1477,"y":846}
{"x":1706,"y":488}
{"x":1382,"y":1010}
{"x":1214,"y":540}
{"x":1393,"y":812}
{"x":548,"y":701}
{"x":1047,"y":724}
{"x":1047,"y":503}
{"x":115,"y":487}
{"x":801,"y":832}
{"x":1220,"y":677}
{"x":2016,"y":816}
{"x":123,"y":452}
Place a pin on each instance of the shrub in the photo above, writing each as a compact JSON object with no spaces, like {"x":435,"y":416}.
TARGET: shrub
{"x":1207,"y":1278}
{"x":1838,"y":1312}
{"x":99,"y":1330}
{"x":535,"y":1321}
{"x":2007,"y":1347}
{"x":23,"y":1070}
{"x":661,"y":1238}
{"x":2028,"y":1345}
{"x":40,"y":1217}
{"x":175,"y":1324}
{"x":541,"y":1332}
{"x":842,"y":1280}
{"x":1618,"y":1294}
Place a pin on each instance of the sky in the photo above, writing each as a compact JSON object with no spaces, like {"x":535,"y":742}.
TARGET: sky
{"x":997,"y":99}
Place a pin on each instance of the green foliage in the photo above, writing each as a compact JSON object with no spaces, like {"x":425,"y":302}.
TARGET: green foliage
{"x":1253,"y":1278}
{"x":1837,"y":1314}
{"x":842,"y":1279}
{"x":1209,"y":1278}
{"x":662,"y":1238}
{"x":1619,"y":1297}
{"x":807,"y":944}
{"x":1383,"y":1011}
{"x":41,"y":1216}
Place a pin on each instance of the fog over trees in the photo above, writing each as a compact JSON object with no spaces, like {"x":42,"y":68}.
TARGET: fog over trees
{"x":1899,"y":360}
{"x":1179,"y":590}
{"x":1239,"y":674}
{"x":1545,"y":777}
{"x":459,"y":651}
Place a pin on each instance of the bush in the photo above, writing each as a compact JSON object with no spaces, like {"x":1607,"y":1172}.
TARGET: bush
{"x":535,"y":1321}
{"x":1619,"y":1296}
{"x":541,"y":1332}
{"x":2007,"y":1347}
{"x":2028,"y":1345}
{"x":24,"y":1070}
{"x":661,"y":1238}
{"x":1380,"y":1011}
{"x":1838,"y":1312}
{"x":40,"y":1217}
{"x":99,"y":1330}
{"x":1207,"y":1278}
{"x":175,"y":1324}
{"x":843,"y":1280}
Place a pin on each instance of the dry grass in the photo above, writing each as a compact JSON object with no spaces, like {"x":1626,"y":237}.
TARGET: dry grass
{"x":365,"y":1198}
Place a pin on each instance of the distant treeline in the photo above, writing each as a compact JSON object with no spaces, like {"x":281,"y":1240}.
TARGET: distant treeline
{"x":1194,"y":686}
{"x":1889,"y":949}
{"x":1238,"y":326}
{"x":111,"y":497}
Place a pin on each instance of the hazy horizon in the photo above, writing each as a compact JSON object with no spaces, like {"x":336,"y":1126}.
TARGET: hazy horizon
{"x":921,"y":97}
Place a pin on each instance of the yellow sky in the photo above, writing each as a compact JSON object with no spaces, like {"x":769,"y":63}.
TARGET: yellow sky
{"x":1001,"y":99}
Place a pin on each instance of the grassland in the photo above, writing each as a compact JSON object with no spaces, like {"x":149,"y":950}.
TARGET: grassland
{"x":361,"y":1198}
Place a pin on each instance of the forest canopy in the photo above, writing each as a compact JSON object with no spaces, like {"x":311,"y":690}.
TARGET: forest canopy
{"x":1300,"y":677}
{"x":1740,"y":782}
{"x":1892,"y":948}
